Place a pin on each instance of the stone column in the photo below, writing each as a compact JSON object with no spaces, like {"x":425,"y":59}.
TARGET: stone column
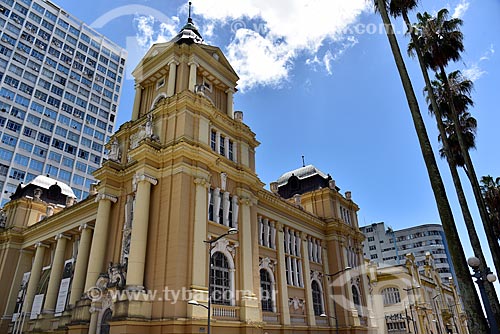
{"x":36,"y":271}
{"x":139,"y":236}
{"x":282,"y":286}
{"x":260,"y":225}
{"x":192,"y":76}
{"x":172,"y":76}
{"x":100,"y":239}
{"x":230,"y":108}
{"x":311,"y":318}
{"x":249,"y":302}
{"x":137,"y":102}
{"x":55,"y":274}
{"x":82,"y":261}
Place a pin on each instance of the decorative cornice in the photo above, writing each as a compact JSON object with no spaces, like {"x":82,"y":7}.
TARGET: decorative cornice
{"x":108,"y":197}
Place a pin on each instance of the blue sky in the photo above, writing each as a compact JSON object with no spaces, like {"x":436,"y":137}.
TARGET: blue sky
{"x":318,"y":79}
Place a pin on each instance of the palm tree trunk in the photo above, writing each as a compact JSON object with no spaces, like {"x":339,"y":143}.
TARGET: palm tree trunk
{"x":469,"y":222}
{"x":471,"y":173}
{"x":475,"y":318}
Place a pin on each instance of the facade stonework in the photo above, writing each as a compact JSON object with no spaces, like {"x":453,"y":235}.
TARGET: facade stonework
{"x":180,"y":172}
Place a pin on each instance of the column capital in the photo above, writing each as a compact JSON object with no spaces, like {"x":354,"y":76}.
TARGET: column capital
{"x":146,"y":178}
{"x":84,"y":227}
{"x":103,"y":196}
{"x":173,"y":62}
{"x":229,"y":90}
{"x":41,"y":244}
{"x":304,"y":236}
{"x":247,"y":201}
{"x":192,"y":62}
{"x":62,"y":236}
{"x":138,"y":86}
{"x":279,"y":226}
{"x":202,"y":182}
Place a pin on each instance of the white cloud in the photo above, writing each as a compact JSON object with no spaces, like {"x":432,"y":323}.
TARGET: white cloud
{"x":461,"y":8}
{"x":270,"y":35}
{"x":473,"y":72}
{"x":150,"y":31}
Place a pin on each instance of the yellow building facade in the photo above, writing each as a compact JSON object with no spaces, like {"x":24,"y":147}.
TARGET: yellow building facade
{"x":132,"y":257}
{"x":402,"y":300}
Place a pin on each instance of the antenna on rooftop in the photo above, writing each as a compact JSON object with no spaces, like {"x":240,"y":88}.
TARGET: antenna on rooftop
{"x":303,"y":162}
{"x":189,"y":13}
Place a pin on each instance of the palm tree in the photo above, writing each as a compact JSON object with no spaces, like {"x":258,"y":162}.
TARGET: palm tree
{"x":491,"y":191}
{"x":461,"y":88}
{"x":442,"y":41}
{"x":472,"y":305}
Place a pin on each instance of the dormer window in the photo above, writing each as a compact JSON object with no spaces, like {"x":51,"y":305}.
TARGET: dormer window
{"x":160,"y":83}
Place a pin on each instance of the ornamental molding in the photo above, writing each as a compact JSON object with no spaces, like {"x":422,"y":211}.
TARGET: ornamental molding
{"x":267,"y":263}
{"x":316,"y":276}
{"x":147,"y":178}
{"x":202,"y":182}
{"x":108,"y":197}
{"x":296,"y":303}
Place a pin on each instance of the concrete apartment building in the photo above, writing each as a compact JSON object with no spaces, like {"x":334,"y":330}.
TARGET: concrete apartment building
{"x":383,"y":244}
{"x":60,"y":84}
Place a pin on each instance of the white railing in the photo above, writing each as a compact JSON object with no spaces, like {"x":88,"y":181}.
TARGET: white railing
{"x":228,"y":312}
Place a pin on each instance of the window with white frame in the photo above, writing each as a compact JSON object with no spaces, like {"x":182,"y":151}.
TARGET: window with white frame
{"x":317,"y":298}
{"x":222,"y":207}
{"x":266,"y":291}
{"x":220,"y":279}
{"x":223,"y":145}
{"x":267,"y":232}
{"x":345,"y":214}
{"x":315,"y":250}
{"x":356,"y":298}
{"x":293,"y":262}
{"x":391,"y":296}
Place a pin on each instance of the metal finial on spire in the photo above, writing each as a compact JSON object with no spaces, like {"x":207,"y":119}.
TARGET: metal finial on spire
{"x":190,"y":20}
{"x":303,"y":162}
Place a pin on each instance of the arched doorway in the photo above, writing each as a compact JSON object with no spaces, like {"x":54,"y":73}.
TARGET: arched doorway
{"x":106,"y":318}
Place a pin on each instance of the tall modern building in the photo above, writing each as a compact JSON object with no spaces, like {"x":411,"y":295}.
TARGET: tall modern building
{"x":383,"y":244}
{"x":60,"y":84}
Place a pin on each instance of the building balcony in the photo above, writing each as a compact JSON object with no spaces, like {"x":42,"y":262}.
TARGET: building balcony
{"x":224,"y":312}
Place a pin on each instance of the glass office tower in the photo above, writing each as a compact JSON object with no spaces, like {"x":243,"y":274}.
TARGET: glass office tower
{"x":60,"y":84}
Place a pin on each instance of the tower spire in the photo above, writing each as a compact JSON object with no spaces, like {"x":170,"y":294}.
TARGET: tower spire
{"x":190,"y":20}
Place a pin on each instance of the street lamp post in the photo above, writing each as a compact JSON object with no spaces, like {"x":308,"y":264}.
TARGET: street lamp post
{"x":334,"y":302}
{"x":415,"y":327}
{"x":481,"y":278}
{"x":211,"y":245}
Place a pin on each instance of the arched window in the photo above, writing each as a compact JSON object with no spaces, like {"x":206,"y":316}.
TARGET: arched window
{"x":106,"y":318}
{"x":356,"y":299}
{"x":317,"y":298}
{"x":391,"y":296}
{"x":220,"y":277}
{"x":266,"y":291}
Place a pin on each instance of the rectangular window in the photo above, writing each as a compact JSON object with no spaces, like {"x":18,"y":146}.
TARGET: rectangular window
{"x":213,"y":140}
{"x":42,"y":137}
{"x":222,"y":145}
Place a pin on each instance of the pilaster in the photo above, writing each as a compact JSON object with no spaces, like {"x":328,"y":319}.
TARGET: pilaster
{"x":311,"y":318}
{"x":139,"y":235}
{"x":283,"y":286}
